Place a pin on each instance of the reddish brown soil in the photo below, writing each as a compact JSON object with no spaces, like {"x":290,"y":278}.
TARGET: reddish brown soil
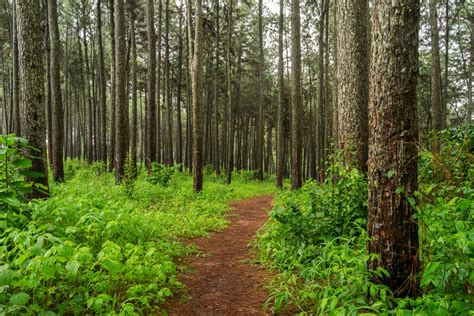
{"x":221,"y":281}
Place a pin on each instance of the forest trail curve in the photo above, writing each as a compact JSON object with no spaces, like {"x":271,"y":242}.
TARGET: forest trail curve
{"x":221,"y":281}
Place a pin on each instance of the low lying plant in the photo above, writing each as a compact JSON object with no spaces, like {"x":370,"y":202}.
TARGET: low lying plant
{"x":98,"y":248}
{"x":316,"y":240}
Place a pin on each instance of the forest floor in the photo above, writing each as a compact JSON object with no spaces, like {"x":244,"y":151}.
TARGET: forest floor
{"x":219,"y":279}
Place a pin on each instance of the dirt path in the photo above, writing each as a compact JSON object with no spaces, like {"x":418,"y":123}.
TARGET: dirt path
{"x":221,"y":282}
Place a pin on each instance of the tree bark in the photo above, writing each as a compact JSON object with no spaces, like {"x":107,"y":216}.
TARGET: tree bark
{"x":56,"y":98}
{"x":196,"y":70}
{"x":280,"y":170}
{"x":393,"y":135}
{"x":121,"y":133}
{"x":353,"y":89}
{"x":150,"y":152}
{"x":32,"y":98}
{"x":102,"y":87}
{"x":436,"y":106}
{"x":296,"y":133}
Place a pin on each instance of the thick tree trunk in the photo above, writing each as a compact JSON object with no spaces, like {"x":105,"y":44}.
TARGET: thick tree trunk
{"x":296,"y":108}
{"x":32,"y":96}
{"x":353,"y":89}
{"x":56,"y":98}
{"x":392,"y":144}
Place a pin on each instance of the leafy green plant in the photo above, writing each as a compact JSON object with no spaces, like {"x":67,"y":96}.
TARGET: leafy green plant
{"x":160,"y":174}
{"x":316,"y":239}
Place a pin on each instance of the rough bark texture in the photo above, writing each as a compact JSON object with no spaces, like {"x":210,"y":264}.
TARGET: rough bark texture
{"x":436,"y":105}
{"x":352,"y":79}
{"x":150,"y":153}
{"x":121,"y":131}
{"x":112,"y":88}
{"x":392,"y":143}
{"x":471,"y":71}
{"x":296,"y":134}
{"x":15,"y":74}
{"x":133,"y":71}
{"x":102,"y":87}
{"x":32,"y":98}
{"x":281,"y":103}
{"x":57,"y":165}
{"x":196,"y":78}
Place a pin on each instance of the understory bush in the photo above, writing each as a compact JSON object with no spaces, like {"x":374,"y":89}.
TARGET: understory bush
{"x":93,"y":249}
{"x":316,"y":240}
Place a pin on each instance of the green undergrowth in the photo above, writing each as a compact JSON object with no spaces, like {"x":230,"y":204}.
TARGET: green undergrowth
{"x":316,"y":240}
{"x":98,"y":248}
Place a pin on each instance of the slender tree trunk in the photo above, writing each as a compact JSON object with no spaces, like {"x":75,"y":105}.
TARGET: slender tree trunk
{"x":113,"y":89}
{"x":31,"y":71}
{"x":169,"y":105}
{"x":102,"y":87}
{"x":296,"y":109}
{"x":261,"y":122}
{"x":15,"y":74}
{"x":393,"y":130}
{"x":280,"y":170}
{"x":230,"y":106}
{"x":121,"y":133}
{"x":49,"y":110}
{"x":353,"y":90}
{"x":179,"y":128}
{"x":196,"y":70}
{"x":133,"y":70}
{"x":150,"y":152}
{"x":436,"y":106}
{"x":217,"y":156}
{"x":56,"y":98}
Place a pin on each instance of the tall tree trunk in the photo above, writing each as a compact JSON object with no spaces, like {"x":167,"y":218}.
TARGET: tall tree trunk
{"x":230,"y":106}
{"x":436,"y":106}
{"x":56,"y":98}
{"x":160,"y":145}
{"x":353,"y":90}
{"x":296,"y":108}
{"x":179,"y":128}
{"x":393,"y":130}
{"x":169,"y":105}
{"x":102,"y":87}
{"x":280,"y":170}
{"x":217,"y":156}
{"x":196,"y":70}
{"x":30,"y":62}
{"x":49,"y":111}
{"x":113,"y":88}
{"x":133,"y":70}
{"x":471,"y":71}
{"x":121,"y":132}
{"x":15,"y":73}
{"x":261,"y":122}
{"x":150,"y":152}
{"x":446,"y":67}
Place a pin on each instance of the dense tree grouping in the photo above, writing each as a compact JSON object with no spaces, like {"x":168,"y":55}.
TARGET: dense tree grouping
{"x":274,"y":87}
